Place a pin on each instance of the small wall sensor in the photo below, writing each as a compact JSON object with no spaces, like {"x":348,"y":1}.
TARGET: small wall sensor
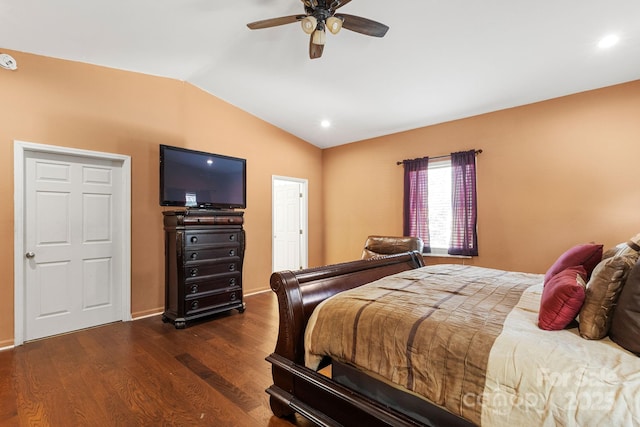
{"x":7,"y":62}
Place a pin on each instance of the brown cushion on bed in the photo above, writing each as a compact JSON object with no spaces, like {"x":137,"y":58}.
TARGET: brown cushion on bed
{"x":603,"y":290}
{"x":588,"y":255}
{"x":562,"y":299}
{"x":611,"y":252}
{"x":624,"y":248}
{"x":625,"y":321}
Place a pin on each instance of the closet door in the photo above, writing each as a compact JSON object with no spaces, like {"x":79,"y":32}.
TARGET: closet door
{"x":73,"y":208}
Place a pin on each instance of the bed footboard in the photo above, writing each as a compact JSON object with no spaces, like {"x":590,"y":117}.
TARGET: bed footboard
{"x":298,"y":389}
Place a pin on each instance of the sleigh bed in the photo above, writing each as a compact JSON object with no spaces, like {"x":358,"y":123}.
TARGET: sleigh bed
{"x":390,"y":342}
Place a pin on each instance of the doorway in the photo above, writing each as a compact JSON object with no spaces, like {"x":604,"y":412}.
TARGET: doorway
{"x":72,"y":244}
{"x":290,"y":234}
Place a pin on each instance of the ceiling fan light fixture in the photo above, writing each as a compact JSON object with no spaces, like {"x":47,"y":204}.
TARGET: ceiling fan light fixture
{"x":334,"y":24}
{"x":319,"y":17}
{"x":319,"y":37}
{"x":309,"y":24}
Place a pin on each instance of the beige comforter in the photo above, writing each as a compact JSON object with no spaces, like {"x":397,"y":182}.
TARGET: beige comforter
{"x":466,"y":339}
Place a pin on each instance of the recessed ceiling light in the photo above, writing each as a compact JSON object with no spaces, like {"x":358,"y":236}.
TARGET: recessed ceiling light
{"x":608,"y":41}
{"x":325,"y":123}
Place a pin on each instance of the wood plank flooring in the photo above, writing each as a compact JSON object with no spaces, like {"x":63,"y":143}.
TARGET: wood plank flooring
{"x":147,"y":373}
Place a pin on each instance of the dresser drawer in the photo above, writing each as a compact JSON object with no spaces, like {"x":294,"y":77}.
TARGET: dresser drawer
{"x":218,"y":283}
{"x":205,"y":254}
{"x":204,"y":238}
{"x":203,"y":270}
{"x":213,"y":220}
{"x":203,"y":303}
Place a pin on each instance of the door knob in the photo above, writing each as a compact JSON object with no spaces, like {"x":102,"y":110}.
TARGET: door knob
{"x":29,"y":254}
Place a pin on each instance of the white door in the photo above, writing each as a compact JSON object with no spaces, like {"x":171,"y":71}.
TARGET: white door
{"x":73,"y":240}
{"x":289,"y":224}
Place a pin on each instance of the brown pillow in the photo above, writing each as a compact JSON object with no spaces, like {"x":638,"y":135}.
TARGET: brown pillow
{"x":611,"y":252}
{"x":625,"y":321}
{"x":603,"y":290}
{"x":624,"y":248}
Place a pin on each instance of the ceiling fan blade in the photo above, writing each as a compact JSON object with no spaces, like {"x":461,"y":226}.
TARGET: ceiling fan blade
{"x":315,"y":50}
{"x":274,"y":22}
{"x":362,"y":25}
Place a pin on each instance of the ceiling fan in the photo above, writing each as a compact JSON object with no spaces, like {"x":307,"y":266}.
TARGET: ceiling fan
{"x":321,"y":15}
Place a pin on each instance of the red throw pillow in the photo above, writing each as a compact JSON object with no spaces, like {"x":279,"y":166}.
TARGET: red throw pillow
{"x":587,"y":255}
{"x":562,"y":298}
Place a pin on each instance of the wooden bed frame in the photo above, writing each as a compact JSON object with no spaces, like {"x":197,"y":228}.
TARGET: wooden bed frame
{"x":314,"y":395}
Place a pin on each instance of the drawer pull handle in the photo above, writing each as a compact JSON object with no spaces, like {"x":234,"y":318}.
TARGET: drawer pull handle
{"x":232,"y":267}
{"x":194,"y":289}
{"x":232,"y":281}
{"x":232,"y":237}
{"x":194,"y":255}
{"x":232,"y":252}
{"x":194,"y":239}
{"x":195,"y":305}
{"x":232,"y":297}
{"x":193,"y":272}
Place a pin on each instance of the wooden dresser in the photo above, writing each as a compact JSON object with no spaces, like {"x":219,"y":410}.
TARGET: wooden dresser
{"x":204,"y":251}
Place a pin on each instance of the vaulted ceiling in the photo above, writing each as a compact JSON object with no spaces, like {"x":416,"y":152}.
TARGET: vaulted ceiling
{"x":440,"y":60}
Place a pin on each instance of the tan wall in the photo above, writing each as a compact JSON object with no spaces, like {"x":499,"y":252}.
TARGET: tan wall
{"x":63,"y":103}
{"x":552,"y":174}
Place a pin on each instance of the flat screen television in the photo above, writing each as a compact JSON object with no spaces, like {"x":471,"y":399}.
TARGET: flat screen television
{"x":195,"y":179}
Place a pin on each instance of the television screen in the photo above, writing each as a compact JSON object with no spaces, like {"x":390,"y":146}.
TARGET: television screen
{"x":196,"y":179}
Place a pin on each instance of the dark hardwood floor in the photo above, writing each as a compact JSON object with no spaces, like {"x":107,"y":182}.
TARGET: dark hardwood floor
{"x":147,"y":373}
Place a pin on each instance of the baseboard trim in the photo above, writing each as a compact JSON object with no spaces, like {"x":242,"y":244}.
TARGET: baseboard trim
{"x":147,"y":313}
{"x":7,"y":345}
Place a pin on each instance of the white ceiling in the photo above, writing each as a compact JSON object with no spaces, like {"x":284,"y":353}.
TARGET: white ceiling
{"x":440,"y":61}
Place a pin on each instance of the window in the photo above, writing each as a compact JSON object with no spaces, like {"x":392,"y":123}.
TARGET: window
{"x":440,"y":203}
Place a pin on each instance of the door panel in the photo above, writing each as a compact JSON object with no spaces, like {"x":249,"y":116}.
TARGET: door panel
{"x":52,"y":279}
{"x":96,"y":280}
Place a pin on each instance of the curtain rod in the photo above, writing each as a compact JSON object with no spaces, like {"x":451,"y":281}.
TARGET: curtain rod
{"x":438,"y":157}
